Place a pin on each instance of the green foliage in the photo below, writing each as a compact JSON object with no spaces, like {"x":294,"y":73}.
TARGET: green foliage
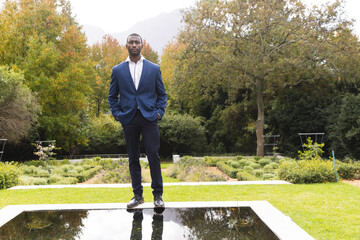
{"x":264,"y":162}
{"x":28,"y":180}
{"x":193,"y":170}
{"x":350,"y":170}
{"x":248,"y":168}
{"x":235,"y":164}
{"x":243,"y":162}
{"x":269,"y":176}
{"x":258,"y":173}
{"x":116,"y":172}
{"x":245,"y":176}
{"x":255,"y":165}
{"x":105,"y":55}
{"x":229,"y":170}
{"x":105,"y":135}
{"x":268,"y":168}
{"x":9,"y":174}
{"x":56,"y":172}
{"x":211,"y":161}
{"x":34,"y":171}
{"x":181,"y":134}
{"x":307,"y":171}
{"x":264,"y":64}
{"x":274,"y":165}
{"x":50,"y":49}
{"x":313,"y":150}
{"x":18,"y":106}
{"x":344,"y":126}
{"x":225,"y":126}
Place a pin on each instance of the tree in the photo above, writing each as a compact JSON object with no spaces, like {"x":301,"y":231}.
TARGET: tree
{"x":344,"y":127}
{"x":149,"y":53}
{"x":18,"y":106}
{"x":260,"y":44}
{"x":104,"y":56}
{"x":43,"y":39}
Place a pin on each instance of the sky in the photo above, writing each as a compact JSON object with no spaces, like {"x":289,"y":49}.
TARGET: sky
{"x":120,"y":15}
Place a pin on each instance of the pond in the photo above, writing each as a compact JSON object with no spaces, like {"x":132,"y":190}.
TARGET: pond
{"x":170,"y":223}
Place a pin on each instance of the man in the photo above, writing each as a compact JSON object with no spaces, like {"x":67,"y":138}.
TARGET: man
{"x":142,"y":103}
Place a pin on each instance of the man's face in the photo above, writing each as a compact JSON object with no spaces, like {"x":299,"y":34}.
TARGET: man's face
{"x":134,"y":46}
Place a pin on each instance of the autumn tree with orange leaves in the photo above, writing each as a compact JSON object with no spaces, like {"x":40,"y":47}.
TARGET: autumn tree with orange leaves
{"x":43,"y":40}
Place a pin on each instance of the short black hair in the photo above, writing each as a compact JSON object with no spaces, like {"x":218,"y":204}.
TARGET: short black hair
{"x":134,"y":34}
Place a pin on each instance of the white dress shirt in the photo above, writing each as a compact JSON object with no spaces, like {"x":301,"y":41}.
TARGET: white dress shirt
{"x":136,"y":70}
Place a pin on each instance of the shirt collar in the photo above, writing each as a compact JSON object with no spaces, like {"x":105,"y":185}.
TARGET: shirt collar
{"x":141,"y":59}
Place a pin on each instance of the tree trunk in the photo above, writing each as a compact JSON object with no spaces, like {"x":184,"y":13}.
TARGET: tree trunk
{"x":260,"y":118}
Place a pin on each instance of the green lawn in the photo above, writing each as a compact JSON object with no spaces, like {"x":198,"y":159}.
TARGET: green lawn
{"x":325,"y":211}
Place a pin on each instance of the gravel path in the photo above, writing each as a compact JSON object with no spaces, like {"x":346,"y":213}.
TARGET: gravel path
{"x":352,"y":182}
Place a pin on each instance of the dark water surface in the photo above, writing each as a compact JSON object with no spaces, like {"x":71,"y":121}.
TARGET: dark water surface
{"x":171,"y":223}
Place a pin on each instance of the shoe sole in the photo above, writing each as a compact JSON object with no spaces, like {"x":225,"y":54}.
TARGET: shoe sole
{"x":135,"y":205}
{"x":160,"y":206}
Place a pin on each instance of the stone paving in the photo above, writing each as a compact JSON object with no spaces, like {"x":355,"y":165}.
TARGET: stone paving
{"x":124,"y":185}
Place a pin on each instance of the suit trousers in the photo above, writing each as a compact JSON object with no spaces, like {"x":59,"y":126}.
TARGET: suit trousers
{"x":151,"y":139}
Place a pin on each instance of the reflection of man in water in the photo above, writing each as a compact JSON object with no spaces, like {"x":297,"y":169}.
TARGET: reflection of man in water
{"x":157,"y":224}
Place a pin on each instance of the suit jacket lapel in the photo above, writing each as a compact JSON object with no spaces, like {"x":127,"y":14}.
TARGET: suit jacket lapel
{"x":143,"y":73}
{"x":128,"y":75}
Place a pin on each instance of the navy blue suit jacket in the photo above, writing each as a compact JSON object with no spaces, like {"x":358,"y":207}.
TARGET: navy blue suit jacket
{"x":124,"y":99}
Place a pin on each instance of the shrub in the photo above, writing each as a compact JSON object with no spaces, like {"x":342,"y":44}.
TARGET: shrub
{"x":245,"y":176}
{"x":67,"y":180}
{"x":349,"y":170}
{"x":91,"y":172}
{"x":258,"y":173}
{"x":181,"y":133}
{"x":264,"y":162}
{"x":268,"y":176}
{"x":274,"y":165}
{"x":248,"y":168}
{"x":257,"y":158}
{"x":211,"y":161}
{"x":235,"y":165}
{"x":189,"y":169}
{"x":120,"y":174}
{"x":268,"y":168}
{"x":35,"y":163}
{"x":105,"y":135}
{"x":254,"y":165}
{"x":239,"y":157}
{"x":53,"y":179}
{"x":304,"y":171}
{"x":35,"y":171}
{"x":242,"y":162}
{"x":28,"y":180}
{"x":230,"y":171}
{"x":9,"y":174}
{"x":199,"y":174}
{"x":249,"y":162}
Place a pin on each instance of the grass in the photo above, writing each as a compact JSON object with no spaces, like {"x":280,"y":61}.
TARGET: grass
{"x":325,"y":211}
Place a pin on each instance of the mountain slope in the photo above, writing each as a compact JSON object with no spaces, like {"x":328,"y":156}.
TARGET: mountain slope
{"x":157,"y":31}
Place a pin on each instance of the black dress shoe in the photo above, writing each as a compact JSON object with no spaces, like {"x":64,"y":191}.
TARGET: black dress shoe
{"x":135,"y":201}
{"x":158,"y":202}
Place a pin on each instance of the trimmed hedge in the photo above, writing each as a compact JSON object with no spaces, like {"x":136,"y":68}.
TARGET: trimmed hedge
{"x":349,"y":170}
{"x":245,"y":176}
{"x":230,"y":171}
{"x":9,"y":175}
{"x":307,"y":171}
